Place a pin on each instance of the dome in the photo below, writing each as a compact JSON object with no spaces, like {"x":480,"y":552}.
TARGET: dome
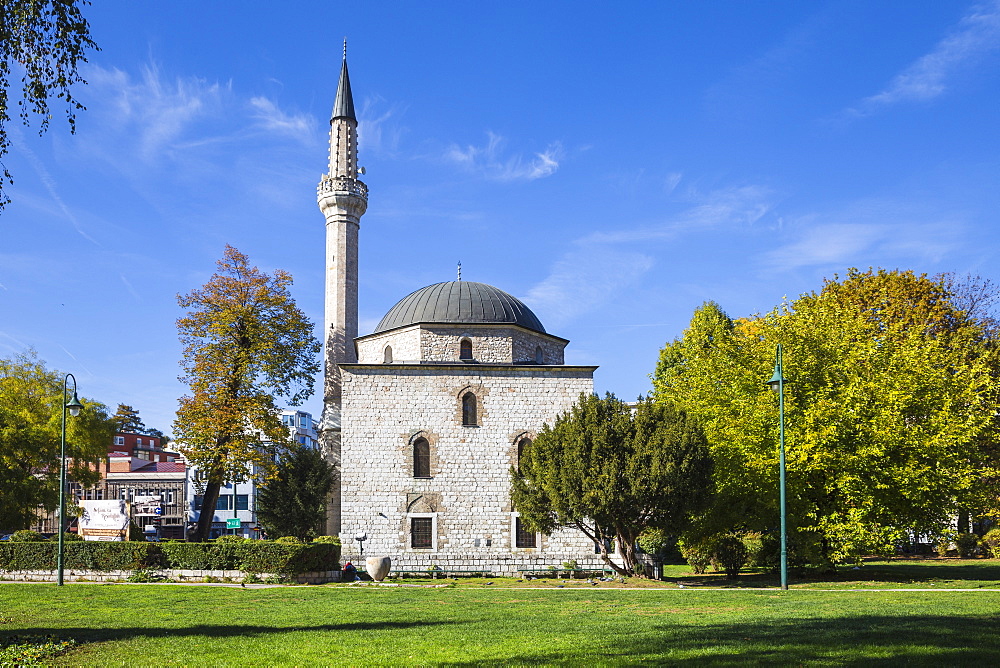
{"x":459,"y":302}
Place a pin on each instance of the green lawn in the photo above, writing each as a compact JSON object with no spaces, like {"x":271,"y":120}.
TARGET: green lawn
{"x":473,"y":623}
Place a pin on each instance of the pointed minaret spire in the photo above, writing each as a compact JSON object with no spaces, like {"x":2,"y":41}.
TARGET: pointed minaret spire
{"x":343,"y":105}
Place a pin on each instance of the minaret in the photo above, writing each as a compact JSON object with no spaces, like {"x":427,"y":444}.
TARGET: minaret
{"x":343,"y":199}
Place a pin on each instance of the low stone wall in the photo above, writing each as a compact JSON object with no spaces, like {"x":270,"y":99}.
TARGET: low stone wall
{"x":500,"y":565}
{"x":176,"y":575}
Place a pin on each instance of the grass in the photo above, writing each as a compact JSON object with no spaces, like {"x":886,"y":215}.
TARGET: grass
{"x":508,"y":623}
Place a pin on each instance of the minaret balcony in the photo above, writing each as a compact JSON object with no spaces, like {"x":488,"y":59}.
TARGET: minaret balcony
{"x":342,"y":185}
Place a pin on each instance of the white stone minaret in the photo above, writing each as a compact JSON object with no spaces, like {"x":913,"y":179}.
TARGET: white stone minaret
{"x":343,"y":199}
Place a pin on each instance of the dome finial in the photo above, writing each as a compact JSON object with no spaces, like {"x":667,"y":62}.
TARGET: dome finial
{"x":459,"y":270}
{"x":345,"y":48}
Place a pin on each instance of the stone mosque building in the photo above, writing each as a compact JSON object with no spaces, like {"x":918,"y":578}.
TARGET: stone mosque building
{"x":426,"y":415}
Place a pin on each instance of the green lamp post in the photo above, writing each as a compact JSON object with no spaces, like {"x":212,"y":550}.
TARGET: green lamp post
{"x":777,"y":383}
{"x":74,"y":406}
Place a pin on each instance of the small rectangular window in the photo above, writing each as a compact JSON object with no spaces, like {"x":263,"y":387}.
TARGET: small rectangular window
{"x":523,"y":537}
{"x":420,"y":533}
{"x":119,"y":440}
{"x":242,"y":502}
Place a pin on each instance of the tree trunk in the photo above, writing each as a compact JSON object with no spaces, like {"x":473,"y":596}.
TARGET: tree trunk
{"x":207,"y":513}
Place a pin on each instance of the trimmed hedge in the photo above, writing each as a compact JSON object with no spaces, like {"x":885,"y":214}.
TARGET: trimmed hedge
{"x":252,"y":556}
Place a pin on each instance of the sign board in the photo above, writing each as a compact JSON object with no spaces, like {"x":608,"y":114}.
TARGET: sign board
{"x":233,"y":523}
{"x":147,"y":505}
{"x":104,"y":520}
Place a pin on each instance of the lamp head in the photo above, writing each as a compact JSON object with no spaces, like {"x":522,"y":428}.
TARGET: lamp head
{"x":775,"y":381}
{"x":361,"y":536}
{"x":74,"y":405}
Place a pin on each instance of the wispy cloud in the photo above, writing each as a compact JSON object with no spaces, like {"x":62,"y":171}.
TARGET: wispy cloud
{"x":738,"y":205}
{"x":977,"y":34}
{"x":600,"y":266}
{"x":491,"y":161}
{"x":45,"y":177}
{"x":272,"y":119}
{"x":588,"y":276}
{"x":377,"y":126}
{"x":834,"y":244}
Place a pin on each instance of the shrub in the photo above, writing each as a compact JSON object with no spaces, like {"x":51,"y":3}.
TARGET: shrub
{"x":289,"y":539}
{"x":333,"y":540}
{"x":230,"y":538}
{"x":255,"y":556}
{"x":67,"y":537}
{"x":967,"y":544}
{"x":754,"y":543}
{"x":26,"y":536}
{"x":698,"y":554}
{"x":992,"y":542}
{"x":943,"y":543}
{"x":729,"y":553}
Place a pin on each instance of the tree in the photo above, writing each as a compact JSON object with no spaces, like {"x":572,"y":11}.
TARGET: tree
{"x":244,"y":342}
{"x":610,"y":474}
{"x":293,"y":502}
{"x":127,"y":420}
{"x":31,"y":407}
{"x":46,"y":39}
{"x":892,"y":387}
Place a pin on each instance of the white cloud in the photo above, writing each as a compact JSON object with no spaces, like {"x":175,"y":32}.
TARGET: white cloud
{"x":377,"y":131}
{"x":838,"y":244}
{"x":490,"y":161}
{"x":272,"y":119}
{"x":977,"y":34}
{"x":738,"y":205}
{"x":587,"y":277}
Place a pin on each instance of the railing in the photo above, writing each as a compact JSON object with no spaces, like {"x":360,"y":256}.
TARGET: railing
{"x":343,"y":185}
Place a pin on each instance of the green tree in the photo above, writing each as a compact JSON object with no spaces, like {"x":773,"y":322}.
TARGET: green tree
{"x":244,"y":342}
{"x":612,"y":474}
{"x":44,"y":40}
{"x":127,"y":420}
{"x":293,"y":501}
{"x":891,"y":389}
{"x":31,"y":407}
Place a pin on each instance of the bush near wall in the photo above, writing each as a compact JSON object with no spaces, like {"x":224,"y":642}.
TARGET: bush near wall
{"x":95,"y":556}
{"x":257,"y":556}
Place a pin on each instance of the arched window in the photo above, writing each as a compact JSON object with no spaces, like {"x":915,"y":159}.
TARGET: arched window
{"x":522,"y":447}
{"x":421,"y":458}
{"x":465,"y":350}
{"x":539,"y":355}
{"x":470,"y":417}
{"x":387,"y":357}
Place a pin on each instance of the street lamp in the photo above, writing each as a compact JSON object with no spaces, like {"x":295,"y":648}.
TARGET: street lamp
{"x":361,"y":537}
{"x":777,"y":383}
{"x":74,"y":407}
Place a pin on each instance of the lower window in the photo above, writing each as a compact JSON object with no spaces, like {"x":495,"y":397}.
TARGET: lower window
{"x":421,"y":537}
{"x":523,"y":537}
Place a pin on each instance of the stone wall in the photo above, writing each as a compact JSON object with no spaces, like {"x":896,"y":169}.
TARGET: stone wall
{"x":175,"y":575}
{"x":467,"y":495}
{"x":491,"y":344}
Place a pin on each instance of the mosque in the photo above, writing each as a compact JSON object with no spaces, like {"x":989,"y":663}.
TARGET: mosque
{"x":425,"y":416}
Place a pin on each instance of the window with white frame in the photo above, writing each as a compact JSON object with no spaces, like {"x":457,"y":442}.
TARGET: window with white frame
{"x":423,"y":531}
{"x":119,"y":440}
{"x":521,"y":537}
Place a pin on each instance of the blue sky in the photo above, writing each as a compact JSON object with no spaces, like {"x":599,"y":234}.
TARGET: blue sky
{"x":613,"y":165}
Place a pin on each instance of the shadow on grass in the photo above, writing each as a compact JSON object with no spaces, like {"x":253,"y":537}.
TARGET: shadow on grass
{"x":85,"y":635}
{"x":859,"y":640}
{"x":984,"y":574}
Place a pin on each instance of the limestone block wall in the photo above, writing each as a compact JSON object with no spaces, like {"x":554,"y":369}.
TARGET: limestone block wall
{"x":466,"y":497}
{"x":492,"y":344}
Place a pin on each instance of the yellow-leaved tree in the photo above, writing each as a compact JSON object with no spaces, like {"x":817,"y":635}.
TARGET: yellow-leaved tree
{"x":245,"y":343}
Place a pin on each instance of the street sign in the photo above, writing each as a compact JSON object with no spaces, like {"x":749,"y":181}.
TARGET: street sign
{"x":233,"y":523}
{"x":158,"y":510}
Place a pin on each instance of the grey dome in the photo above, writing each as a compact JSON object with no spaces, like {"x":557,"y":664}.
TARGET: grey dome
{"x":459,"y":302}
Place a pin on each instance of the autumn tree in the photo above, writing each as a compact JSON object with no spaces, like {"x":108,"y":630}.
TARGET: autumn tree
{"x":127,"y":420}
{"x":612,"y":474}
{"x":244,"y":343}
{"x":293,"y":501}
{"x":44,"y":41}
{"x":891,"y":390}
{"x":31,"y":404}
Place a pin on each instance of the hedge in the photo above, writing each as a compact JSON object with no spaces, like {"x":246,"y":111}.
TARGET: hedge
{"x":252,"y":556}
